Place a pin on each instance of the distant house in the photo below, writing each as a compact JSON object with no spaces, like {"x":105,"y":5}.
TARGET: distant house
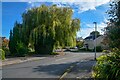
{"x":89,"y":42}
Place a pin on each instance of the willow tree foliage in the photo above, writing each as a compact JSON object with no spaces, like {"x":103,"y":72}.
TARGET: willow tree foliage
{"x":46,"y":28}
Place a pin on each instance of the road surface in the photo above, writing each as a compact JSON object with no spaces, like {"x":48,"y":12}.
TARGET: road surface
{"x":49,"y":67}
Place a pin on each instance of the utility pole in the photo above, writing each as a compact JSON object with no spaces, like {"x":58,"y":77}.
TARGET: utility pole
{"x":95,"y":38}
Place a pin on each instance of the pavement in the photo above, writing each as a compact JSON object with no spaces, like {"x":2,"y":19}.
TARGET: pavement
{"x":72,"y":65}
{"x":17,"y":60}
{"x":81,"y":70}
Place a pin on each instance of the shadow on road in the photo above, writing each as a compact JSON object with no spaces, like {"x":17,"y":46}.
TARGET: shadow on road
{"x":59,"y":69}
{"x":53,"y":69}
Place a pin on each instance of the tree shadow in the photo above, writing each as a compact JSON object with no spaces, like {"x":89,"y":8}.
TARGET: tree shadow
{"x":83,"y":67}
{"x":53,"y":69}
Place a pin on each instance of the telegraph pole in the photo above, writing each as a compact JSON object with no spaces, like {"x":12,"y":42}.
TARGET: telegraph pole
{"x":95,"y":39}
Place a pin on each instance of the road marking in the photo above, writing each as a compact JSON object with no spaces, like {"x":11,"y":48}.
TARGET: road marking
{"x":67,"y":71}
{"x":70,"y":68}
{"x":63,"y":75}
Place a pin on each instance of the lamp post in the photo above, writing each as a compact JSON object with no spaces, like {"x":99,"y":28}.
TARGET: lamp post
{"x":95,"y":39}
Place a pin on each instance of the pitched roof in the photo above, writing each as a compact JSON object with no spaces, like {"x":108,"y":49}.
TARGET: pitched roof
{"x":91,"y":37}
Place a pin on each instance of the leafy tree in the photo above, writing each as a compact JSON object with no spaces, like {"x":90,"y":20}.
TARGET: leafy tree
{"x":15,"y":38}
{"x":55,"y":28}
{"x":107,"y":66}
{"x":11,"y":42}
{"x":80,"y":44}
{"x":113,"y":28}
{"x":45,"y":28}
{"x":5,"y":43}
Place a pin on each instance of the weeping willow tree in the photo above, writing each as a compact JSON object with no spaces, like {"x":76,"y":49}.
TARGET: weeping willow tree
{"x":47,"y":28}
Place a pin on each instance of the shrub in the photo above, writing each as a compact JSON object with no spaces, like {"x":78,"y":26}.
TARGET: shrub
{"x":7,"y":52}
{"x":2,"y":54}
{"x":98,"y":49}
{"x":22,"y":50}
{"x":80,"y":44}
{"x":105,"y":51}
{"x":108,"y":66}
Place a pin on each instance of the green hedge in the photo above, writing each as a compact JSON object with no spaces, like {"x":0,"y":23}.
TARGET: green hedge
{"x":2,"y":54}
{"x":108,"y":66}
{"x":98,"y":49}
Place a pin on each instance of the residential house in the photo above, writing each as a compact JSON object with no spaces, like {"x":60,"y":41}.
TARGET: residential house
{"x":89,"y":42}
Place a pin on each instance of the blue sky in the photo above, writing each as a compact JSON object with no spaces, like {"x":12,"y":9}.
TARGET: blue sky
{"x":87,"y":12}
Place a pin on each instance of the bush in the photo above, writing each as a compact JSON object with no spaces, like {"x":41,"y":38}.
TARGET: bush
{"x":22,"y":50}
{"x":6,"y":50}
{"x":106,"y":51}
{"x":2,"y":54}
{"x":108,"y":66}
{"x":98,"y":49}
{"x":80,"y":44}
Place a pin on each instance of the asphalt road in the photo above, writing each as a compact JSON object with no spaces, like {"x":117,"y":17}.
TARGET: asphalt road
{"x":49,"y":67}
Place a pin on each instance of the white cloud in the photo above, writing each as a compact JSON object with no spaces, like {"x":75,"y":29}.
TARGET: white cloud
{"x":33,"y":4}
{"x":82,"y":5}
{"x":101,"y":26}
{"x":84,"y":32}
